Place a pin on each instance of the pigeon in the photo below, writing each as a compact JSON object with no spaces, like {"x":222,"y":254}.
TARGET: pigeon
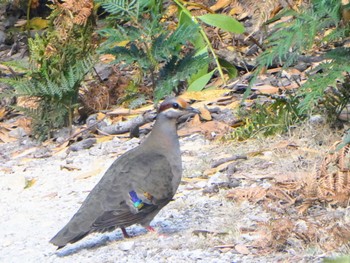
{"x":137,"y":185}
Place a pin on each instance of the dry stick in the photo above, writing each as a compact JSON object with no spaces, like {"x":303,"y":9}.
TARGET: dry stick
{"x":83,"y":130}
{"x":256,"y":42}
{"x":228,"y":159}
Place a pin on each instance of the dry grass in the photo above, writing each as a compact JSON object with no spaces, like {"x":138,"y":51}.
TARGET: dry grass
{"x":304,"y":186}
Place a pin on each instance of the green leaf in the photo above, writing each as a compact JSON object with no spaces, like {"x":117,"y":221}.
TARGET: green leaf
{"x":200,"y":83}
{"x":185,"y":19}
{"x":203,"y":69}
{"x":231,"y":69}
{"x":223,"y":22}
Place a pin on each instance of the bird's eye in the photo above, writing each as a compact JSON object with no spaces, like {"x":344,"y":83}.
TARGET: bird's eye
{"x":176,"y":105}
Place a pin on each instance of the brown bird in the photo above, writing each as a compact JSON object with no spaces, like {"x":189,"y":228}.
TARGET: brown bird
{"x":137,"y":185}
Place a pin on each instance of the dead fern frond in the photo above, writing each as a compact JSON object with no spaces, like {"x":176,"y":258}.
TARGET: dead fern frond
{"x":280,"y":194}
{"x":344,"y":159}
{"x":254,"y":194}
{"x":331,"y":184}
{"x":75,"y":12}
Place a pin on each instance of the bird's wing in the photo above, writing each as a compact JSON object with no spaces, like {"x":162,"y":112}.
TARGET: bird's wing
{"x":110,"y":204}
{"x":147,"y":188}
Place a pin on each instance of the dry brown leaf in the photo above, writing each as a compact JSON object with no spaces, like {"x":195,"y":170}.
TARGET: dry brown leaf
{"x":195,"y":121}
{"x":266,"y":89}
{"x":233,"y":105}
{"x":211,"y":129}
{"x":59,"y":149}
{"x":237,"y":9}
{"x":205,"y":114}
{"x":89,"y":174}
{"x":2,"y":112}
{"x":220,"y":4}
{"x":29,"y":182}
{"x":107,"y":58}
{"x":20,"y":154}
{"x":242,"y":249}
{"x":171,"y":10}
{"x":102,"y":138}
{"x":206,"y":95}
{"x":70,"y":168}
{"x":5,"y":138}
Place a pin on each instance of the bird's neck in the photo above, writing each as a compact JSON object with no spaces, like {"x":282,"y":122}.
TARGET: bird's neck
{"x":164,"y":133}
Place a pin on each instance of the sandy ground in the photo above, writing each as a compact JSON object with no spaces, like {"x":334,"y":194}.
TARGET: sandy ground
{"x":190,"y":228}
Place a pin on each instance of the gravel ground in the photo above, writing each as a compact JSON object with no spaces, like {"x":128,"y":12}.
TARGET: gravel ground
{"x":30,"y":217}
{"x":190,"y":228}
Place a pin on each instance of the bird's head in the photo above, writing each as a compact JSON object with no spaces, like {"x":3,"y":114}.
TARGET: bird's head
{"x":175,"y":107}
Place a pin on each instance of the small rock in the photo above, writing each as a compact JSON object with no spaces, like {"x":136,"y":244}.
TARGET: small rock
{"x":85,"y":144}
{"x":200,"y":184}
{"x":103,"y":70}
{"x":2,"y":37}
{"x":284,"y":82}
{"x":317,"y":120}
{"x":194,"y":174}
{"x":345,"y":114}
{"x":231,"y":169}
{"x":43,"y":153}
{"x":17,"y":133}
{"x":127,"y":245}
{"x":61,"y":134}
{"x":218,"y":178}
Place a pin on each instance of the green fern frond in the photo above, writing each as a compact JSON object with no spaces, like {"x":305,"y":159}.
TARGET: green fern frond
{"x":298,"y":34}
{"x":164,"y":46}
{"x":177,"y":70}
{"x":129,"y":55}
{"x":314,"y":88}
{"x":20,"y":65}
{"x":121,"y":7}
{"x":136,"y":103}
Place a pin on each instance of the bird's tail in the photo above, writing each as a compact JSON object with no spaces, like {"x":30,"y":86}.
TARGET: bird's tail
{"x":65,"y":236}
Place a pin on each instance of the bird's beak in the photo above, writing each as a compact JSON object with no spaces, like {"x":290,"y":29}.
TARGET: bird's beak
{"x":193,"y":110}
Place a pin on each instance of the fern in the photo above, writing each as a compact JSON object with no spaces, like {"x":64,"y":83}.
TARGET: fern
{"x":290,"y":38}
{"x":124,"y":8}
{"x":158,"y":53}
{"x":55,"y":97}
{"x":332,"y":74}
{"x":177,"y":70}
{"x":136,"y":103}
{"x":268,"y":118}
{"x":59,"y":60}
{"x":299,"y":35}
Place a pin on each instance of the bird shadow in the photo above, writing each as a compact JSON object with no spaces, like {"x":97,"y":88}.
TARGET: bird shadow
{"x":98,"y":241}
{"x":102,"y":239}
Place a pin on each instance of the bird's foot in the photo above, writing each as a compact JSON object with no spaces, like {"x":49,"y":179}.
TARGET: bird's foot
{"x":125,"y":234}
{"x":151,"y":229}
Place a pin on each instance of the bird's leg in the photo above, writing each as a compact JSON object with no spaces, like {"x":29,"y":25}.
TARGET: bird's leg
{"x":125,"y":234}
{"x":150,"y":229}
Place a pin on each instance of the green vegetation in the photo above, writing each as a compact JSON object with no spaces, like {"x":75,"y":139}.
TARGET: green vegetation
{"x":59,"y":60}
{"x":137,"y":36}
{"x":265,"y":119}
{"x":300,"y":32}
{"x":305,"y":30}
{"x":169,"y":54}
